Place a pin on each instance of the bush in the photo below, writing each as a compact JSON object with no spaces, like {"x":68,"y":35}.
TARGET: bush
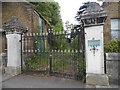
{"x":113,"y":46}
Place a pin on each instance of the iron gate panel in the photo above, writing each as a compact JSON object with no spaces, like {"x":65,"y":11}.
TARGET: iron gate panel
{"x":60,"y":55}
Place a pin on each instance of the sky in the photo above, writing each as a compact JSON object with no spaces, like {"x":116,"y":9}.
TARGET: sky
{"x":69,"y":9}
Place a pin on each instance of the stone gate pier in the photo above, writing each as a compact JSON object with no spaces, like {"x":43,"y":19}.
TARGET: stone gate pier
{"x":14,"y":30}
{"x":94,"y":17}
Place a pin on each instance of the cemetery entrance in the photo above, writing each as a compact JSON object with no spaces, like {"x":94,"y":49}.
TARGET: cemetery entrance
{"x":54,"y":53}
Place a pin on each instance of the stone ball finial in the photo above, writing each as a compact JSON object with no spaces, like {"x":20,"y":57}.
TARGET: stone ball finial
{"x":14,"y":26}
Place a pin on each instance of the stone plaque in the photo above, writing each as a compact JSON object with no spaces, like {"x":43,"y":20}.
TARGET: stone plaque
{"x":93,"y":43}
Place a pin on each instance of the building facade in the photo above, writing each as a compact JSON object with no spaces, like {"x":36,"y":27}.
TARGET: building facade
{"x":112,"y":23}
{"x":26,"y":14}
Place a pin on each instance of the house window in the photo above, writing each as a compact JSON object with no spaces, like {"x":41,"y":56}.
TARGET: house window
{"x":115,"y":29}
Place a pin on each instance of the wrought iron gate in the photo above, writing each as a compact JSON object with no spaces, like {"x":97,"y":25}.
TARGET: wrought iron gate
{"x":54,"y":53}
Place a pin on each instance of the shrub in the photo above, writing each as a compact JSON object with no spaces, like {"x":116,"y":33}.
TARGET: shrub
{"x":113,"y":46}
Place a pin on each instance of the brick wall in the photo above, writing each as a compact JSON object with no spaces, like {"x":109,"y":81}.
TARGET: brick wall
{"x":113,"y":11}
{"x":25,"y":13}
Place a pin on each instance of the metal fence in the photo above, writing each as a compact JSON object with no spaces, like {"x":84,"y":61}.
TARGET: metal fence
{"x":54,"y":53}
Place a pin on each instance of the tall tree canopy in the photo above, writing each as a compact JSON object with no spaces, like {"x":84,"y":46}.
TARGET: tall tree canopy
{"x":51,"y":11}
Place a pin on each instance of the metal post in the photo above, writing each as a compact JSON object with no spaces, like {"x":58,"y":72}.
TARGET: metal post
{"x":83,"y":47}
{"x":50,"y":52}
{"x":21,"y":55}
{"x":105,"y":63}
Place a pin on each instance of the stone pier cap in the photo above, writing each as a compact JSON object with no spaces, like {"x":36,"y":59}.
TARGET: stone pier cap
{"x":14,"y":26}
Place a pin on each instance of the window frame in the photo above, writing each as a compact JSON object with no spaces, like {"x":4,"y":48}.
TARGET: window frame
{"x":114,"y":30}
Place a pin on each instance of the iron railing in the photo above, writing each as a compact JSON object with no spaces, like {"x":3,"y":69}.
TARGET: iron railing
{"x":54,"y":53}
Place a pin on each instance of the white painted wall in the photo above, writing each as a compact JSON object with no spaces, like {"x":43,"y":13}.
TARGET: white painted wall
{"x":14,"y":50}
{"x":94,"y":62}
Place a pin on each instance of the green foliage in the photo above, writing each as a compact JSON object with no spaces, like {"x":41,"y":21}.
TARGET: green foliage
{"x":74,"y":43}
{"x":113,"y":46}
{"x":51,"y":11}
{"x":60,"y":44}
{"x":65,"y":63}
{"x":37,"y":62}
{"x":58,"y":64}
{"x":41,"y":62}
{"x":85,"y":5}
{"x":81,"y":10}
{"x":81,"y":70}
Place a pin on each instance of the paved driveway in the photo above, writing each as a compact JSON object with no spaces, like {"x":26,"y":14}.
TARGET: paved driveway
{"x":27,"y":81}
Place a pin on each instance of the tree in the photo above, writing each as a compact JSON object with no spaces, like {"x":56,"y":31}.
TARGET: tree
{"x":51,"y":11}
{"x":81,"y":10}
